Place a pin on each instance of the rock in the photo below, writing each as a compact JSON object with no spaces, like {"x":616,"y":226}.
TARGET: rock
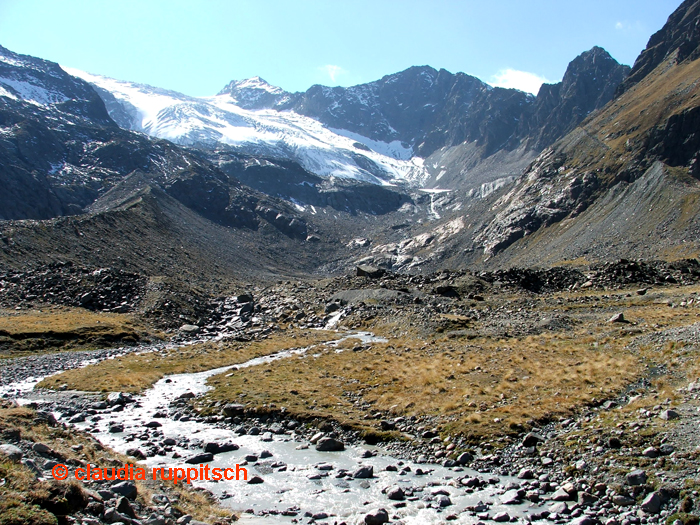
{"x":464,"y":458}
{"x":265,"y":454}
{"x":189,"y":328}
{"x":186,"y":395}
{"x":637,"y":477}
{"x":642,"y":291}
{"x":116,"y":428}
{"x":561,"y":495}
{"x":364,"y":472}
{"x":651,"y":452}
{"x":585,"y":520}
{"x":233,"y":409}
{"x":512,"y":497}
{"x":113,"y":516}
{"x":11,"y":452}
{"x":501,"y":517}
{"x":255,"y":480}
{"x":532,"y":439}
{"x":125,"y":508}
{"x":618,"y":318}
{"x":651,"y":504}
{"x":526,"y":473}
{"x":669,"y":415}
{"x":586,"y":499}
{"x":119,"y":398}
{"x":560,"y":507}
{"x":125,"y":488}
{"x":327,"y":444}
{"x":369,"y":271}
{"x":614,"y":442}
{"x":622,"y":500}
{"x":266,"y":437}
{"x":153,"y":424}
{"x":443,"y":501}
{"x":377,"y":517}
{"x":215,"y":447}
{"x":135,"y":453}
{"x":396,"y":494}
{"x":41,"y":448}
{"x":203,"y":457}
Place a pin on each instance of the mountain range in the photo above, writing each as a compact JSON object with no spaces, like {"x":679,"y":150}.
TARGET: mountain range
{"x":418,"y":170}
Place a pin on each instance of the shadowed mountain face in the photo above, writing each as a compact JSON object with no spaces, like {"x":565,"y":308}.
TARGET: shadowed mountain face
{"x":430,"y":109}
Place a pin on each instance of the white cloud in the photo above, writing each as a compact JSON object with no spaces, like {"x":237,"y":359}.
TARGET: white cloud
{"x":621,"y":25}
{"x":522,"y":80}
{"x":333,"y":72}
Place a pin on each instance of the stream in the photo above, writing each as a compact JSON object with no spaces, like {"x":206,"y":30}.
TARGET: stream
{"x":298,"y":480}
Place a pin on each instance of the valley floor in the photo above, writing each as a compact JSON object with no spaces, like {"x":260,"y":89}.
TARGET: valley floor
{"x":568,"y":380}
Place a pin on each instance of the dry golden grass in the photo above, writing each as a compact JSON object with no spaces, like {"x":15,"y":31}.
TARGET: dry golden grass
{"x":467,"y":386}
{"x":474,"y":386}
{"x":62,"y":328}
{"x":136,"y":372}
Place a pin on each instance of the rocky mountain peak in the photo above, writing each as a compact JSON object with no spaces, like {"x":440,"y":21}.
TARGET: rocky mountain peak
{"x":40,"y":82}
{"x":588,"y":84}
{"x":680,"y":34}
{"x":255,"y":93}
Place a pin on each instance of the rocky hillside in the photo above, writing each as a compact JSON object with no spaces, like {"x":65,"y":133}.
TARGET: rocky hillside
{"x":636,"y":159}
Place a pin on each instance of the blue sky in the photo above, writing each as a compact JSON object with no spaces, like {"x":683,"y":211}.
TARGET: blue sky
{"x":198,"y":47}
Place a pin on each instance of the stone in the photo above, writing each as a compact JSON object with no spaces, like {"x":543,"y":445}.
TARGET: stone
{"x":369,"y":271}
{"x":255,"y":480}
{"x":637,"y":477}
{"x":189,"y":328}
{"x":532,"y":439}
{"x":561,"y":495}
{"x":526,"y":473}
{"x":113,"y":516}
{"x":512,"y":497}
{"x":651,"y":504}
{"x":618,"y":318}
{"x":501,"y":517}
{"x":651,"y":452}
{"x":233,"y":409}
{"x":41,"y":448}
{"x":443,"y":501}
{"x":203,"y":457}
{"x":11,"y":452}
{"x":622,"y":500}
{"x":464,"y":458}
{"x":153,"y":424}
{"x":328,"y":444}
{"x":364,"y":472}
{"x":669,"y":415}
{"x":396,"y":494}
{"x":119,"y":398}
{"x":135,"y":453}
{"x":377,"y":517}
{"x":125,"y":488}
{"x":125,"y":508}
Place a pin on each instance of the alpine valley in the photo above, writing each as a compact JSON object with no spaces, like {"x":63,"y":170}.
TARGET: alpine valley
{"x":500,"y":289}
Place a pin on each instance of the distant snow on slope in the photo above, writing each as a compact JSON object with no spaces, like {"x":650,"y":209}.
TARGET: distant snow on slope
{"x":209,"y":121}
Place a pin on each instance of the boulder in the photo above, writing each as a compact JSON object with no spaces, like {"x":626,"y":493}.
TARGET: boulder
{"x":327,"y":444}
{"x":377,"y":517}
{"x":369,"y":271}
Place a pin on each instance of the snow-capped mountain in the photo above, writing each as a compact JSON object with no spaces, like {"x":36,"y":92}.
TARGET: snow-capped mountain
{"x":224,"y":120}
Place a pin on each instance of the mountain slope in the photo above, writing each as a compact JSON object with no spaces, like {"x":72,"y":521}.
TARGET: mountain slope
{"x":653,"y":120}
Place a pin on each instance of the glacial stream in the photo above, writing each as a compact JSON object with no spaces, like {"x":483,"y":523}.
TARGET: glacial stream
{"x":295,"y":475}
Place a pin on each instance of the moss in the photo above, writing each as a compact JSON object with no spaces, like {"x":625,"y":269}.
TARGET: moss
{"x":685,"y":518}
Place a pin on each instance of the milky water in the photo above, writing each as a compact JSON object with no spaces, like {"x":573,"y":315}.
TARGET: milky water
{"x":287,"y":473}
